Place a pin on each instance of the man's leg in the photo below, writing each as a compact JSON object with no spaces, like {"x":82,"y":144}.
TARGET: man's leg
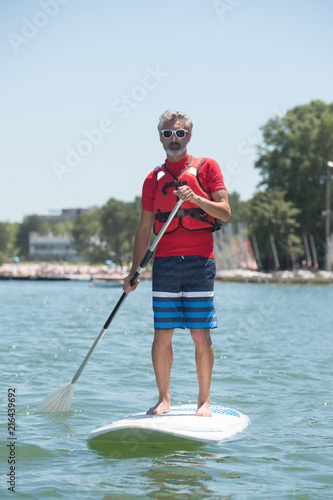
{"x":204,"y":357}
{"x":162,"y":356}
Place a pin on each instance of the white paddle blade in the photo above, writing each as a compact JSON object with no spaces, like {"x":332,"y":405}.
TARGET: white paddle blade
{"x":58,"y":400}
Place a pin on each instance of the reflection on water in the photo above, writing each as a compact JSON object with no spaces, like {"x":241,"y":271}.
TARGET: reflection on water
{"x":136,"y":449}
{"x":179,"y":479}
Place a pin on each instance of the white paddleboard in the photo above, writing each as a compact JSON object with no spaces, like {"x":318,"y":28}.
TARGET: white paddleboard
{"x":178,"y":426}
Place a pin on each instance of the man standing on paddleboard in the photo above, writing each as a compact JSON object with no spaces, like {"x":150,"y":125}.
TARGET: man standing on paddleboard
{"x":184,"y":266}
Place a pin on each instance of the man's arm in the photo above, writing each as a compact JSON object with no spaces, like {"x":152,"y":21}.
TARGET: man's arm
{"x":141,"y":245}
{"x":218,"y":207}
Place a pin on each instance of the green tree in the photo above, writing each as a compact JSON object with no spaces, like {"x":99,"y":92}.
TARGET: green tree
{"x":30,"y":223}
{"x":61,"y":228}
{"x":86,"y":232}
{"x":293,"y":158}
{"x":271,"y":214}
{"x":119,"y":221}
{"x":8,"y":233}
{"x":240,"y":210}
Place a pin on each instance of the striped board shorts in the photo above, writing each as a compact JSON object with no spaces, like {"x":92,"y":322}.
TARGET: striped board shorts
{"x":183,"y":292}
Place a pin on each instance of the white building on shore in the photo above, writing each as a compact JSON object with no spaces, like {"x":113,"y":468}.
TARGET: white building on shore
{"x":52,"y":247}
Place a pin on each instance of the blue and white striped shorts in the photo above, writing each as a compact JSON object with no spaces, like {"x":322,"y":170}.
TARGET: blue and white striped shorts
{"x":183,"y":292}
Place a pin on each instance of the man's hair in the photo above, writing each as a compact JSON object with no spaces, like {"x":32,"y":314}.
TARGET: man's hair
{"x":175,"y":115}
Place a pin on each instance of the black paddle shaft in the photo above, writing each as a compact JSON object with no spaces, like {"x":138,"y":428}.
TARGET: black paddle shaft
{"x":148,"y":255}
{"x":144,"y":262}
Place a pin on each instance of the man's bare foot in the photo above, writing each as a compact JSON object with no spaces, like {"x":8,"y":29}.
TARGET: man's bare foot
{"x":204,"y":411}
{"x":160,"y":408}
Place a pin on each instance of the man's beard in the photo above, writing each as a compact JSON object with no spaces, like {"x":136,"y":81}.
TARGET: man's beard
{"x":175,"y":151}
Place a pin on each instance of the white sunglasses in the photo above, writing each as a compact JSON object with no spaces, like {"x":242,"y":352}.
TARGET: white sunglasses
{"x":180,"y":133}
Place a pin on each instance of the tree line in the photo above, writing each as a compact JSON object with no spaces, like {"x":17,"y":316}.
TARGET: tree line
{"x":105,"y":232}
{"x":292,"y":160}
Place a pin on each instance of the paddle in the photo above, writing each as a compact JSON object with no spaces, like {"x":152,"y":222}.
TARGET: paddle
{"x":61,"y":399}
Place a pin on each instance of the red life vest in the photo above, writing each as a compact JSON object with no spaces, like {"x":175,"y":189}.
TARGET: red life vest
{"x":189,"y":216}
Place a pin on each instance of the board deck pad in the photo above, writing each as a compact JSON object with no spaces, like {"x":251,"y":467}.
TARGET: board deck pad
{"x":178,"y":426}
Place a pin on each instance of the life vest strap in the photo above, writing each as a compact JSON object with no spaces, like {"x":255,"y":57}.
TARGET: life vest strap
{"x":173,"y":184}
{"x":194,"y":212}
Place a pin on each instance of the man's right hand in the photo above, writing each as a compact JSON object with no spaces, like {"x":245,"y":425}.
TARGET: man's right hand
{"x":127,"y":284}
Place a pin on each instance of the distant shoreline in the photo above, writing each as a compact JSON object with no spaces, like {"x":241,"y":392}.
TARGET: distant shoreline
{"x":82,"y":272}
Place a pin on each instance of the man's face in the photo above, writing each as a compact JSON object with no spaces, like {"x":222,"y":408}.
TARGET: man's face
{"x":174,"y":146}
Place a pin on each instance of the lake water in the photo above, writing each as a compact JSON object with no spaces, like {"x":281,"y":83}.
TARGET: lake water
{"x":273,"y":362}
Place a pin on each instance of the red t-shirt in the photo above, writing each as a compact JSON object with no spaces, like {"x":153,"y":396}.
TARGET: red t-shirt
{"x":183,"y":242}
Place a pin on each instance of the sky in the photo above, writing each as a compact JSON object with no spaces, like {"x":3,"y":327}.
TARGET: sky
{"x":84,"y":82}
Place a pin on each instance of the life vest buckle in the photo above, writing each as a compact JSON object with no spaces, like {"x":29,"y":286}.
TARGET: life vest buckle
{"x":160,"y":217}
